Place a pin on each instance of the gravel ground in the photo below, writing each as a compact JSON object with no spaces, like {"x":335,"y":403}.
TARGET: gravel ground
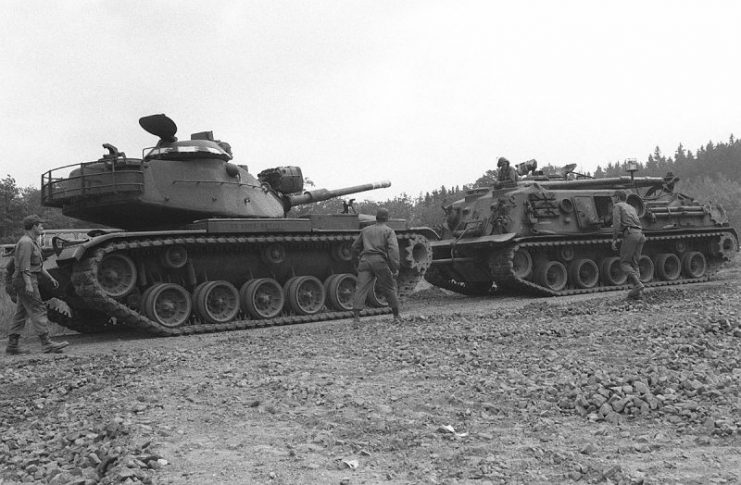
{"x":588,"y":389}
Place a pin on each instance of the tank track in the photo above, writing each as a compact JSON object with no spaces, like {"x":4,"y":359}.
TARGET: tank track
{"x":89,"y":290}
{"x":503,"y":276}
{"x":81,"y":321}
{"x":502,"y":270}
{"x":436,"y":277}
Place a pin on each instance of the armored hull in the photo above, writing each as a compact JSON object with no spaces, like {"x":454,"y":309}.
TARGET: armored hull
{"x":547,"y":237}
{"x":204,"y":246}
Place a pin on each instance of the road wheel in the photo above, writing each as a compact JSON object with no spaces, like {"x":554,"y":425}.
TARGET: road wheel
{"x":668,"y":266}
{"x":262,"y":298}
{"x":168,"y":304}
{"x":611,"y":272}
{"x":340,"y":289}
{"x":217,"y":302}
{"x":583,"y":273}
{"x":693,"y":264}
{"x":551,"y":275}
{"x":522,"y":264}
{"x":306,"y":295}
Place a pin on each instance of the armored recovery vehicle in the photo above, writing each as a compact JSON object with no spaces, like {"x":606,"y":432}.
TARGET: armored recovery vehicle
{"x":550,"y":235}
{"x":201,"y":245}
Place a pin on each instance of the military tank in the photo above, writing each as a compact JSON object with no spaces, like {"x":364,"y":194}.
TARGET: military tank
{"x":550,"y":233}
{"x":202,"y":245}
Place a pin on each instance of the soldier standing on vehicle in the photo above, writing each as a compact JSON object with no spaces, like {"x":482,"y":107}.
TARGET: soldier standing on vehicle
{"x":28,"y":261}
{"x":506,"y":174}
{"x":378,"y":251}
{"x":625,"y":223}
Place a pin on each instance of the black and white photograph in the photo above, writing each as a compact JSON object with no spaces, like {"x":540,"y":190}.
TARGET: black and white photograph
{"x":370,"y":242}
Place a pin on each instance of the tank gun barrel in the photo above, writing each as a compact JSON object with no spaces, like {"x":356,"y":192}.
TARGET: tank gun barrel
{"x":318,"y":195}
{"x":604,"y":183}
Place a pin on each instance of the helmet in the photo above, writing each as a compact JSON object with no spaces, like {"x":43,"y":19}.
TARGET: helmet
{"x":502,"y":161}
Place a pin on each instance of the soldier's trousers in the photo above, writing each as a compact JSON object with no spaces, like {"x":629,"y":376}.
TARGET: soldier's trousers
{"x":375,"y":269}
{"x":630,"y":252}
{"x":30,"y":307}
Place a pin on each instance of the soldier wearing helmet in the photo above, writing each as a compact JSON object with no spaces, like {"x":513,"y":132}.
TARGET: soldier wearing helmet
{"x":506,"y":174}
{"x":378,"y":251}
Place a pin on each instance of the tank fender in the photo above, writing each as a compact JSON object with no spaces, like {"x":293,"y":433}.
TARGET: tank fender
{"x":78,"y":251}
{"x":494,"y":239}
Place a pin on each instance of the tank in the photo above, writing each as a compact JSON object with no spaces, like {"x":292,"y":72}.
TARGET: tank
{"x":198,"y":244}
{"x":550,"y":235}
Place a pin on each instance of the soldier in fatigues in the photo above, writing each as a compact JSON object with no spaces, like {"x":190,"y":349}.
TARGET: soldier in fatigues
{"x":28,"y":261}
{"x":378,"y":250}
{"x":506,"y":174}
{"x":625,"y":223}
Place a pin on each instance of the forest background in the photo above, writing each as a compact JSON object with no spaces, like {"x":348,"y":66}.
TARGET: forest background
{"x":712,"y":173}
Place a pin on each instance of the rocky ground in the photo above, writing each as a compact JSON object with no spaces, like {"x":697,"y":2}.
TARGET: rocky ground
{"x":588,"y":389}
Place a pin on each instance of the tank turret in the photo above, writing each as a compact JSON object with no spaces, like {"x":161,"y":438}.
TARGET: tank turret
{"x":550,"y":235}
{"x":205,"y":246}
{"x":175,"y":183}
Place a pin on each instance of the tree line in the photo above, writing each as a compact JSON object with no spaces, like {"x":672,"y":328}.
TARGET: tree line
{"x":710,"y":174}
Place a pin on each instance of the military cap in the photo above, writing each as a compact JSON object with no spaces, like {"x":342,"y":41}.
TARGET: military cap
{"x":31,"y":220}
{"x":620,"y":194}
{"x":382,"y":214}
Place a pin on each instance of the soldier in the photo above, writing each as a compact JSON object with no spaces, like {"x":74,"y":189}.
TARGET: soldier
{"x":378,"y":251}
{"x":625,"y":223}
{"x":28,"y":261}
{"x":669,"y":182}
{"x":506,"y":174}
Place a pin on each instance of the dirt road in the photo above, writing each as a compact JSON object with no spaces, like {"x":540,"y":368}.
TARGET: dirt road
{"x":582,"y":389}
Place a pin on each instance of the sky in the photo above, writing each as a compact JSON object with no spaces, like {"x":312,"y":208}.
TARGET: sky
{"x":422,"y":93}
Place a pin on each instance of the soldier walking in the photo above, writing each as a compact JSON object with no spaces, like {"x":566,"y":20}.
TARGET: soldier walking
{"x":28,"y":261}
{"x":625,"y":223}
{"x":378,"y":250}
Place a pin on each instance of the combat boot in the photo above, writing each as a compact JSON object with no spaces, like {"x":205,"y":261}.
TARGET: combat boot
{"x":50,"y":347}
{"x":13,"y":347}
{"x":356,"y":316}
{"x":397,"y":320}
{"x":636,"y":293}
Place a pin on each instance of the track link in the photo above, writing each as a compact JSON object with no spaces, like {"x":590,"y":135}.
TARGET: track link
{"x":84,"y":279}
